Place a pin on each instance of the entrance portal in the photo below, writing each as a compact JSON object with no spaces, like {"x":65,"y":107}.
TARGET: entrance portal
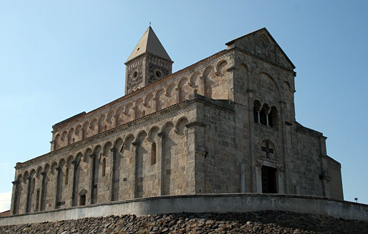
{"x":269,"y":180}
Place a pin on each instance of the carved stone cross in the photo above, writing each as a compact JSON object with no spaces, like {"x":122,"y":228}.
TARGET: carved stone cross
{"x":267,"y":149}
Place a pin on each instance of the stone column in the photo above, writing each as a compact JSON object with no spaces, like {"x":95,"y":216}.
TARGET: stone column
{"x":203,"y":86}
{"x":92,"y":178}
{"x":53,"y":146}
{"x":83,"y":133}
{"x":14,"y":202}
{"x":43,"y":191}
{"x":116,"y":119}
{"x":325,"y":177}
{"x":74,"y":186}
{"x":242,"y":177}
{"x":135,"y":144}
{"x":258,"y":176}
{"x":195,"y":158}
{"x":285,"y":144}
{"x":280,"y":178}
{"x":254,"y":170}
{"x":57,"y":192}
{"x":159,"y":164}
{"x":112,"y":174}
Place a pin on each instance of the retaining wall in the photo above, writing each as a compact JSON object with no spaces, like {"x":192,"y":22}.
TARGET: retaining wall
{"x":217,"y":203}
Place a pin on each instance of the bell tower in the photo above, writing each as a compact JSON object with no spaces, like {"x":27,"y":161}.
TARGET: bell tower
{"x":147,"y":63}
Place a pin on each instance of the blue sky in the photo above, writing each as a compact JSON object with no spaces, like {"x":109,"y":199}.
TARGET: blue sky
{"x":59,"y":58}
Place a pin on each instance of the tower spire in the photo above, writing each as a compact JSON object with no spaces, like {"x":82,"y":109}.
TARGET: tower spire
{"x":147,"y":63}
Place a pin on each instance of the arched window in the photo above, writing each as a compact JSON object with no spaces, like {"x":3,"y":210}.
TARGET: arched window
{"x":264,"y":114}
{"x":263,"y":117}
{"x":256,"y":111}
{"x":153,"y":153}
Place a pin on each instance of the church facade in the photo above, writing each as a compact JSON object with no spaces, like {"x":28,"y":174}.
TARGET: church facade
{"x":225,"y":124}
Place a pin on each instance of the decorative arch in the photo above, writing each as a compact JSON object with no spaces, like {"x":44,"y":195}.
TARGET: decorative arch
{"x":85,"y":129}
{"x":152,"y":132}
{"x":64,"y":139}
{"x":221,"y":68}
{"x":183,"y":89}
{"x":169,"y":89}
{"x":119,"y":116}
{"x":25,"y":177}
{"x":147,"y":100}
{"x":141,"y":135}
{"x":264,"y":83}
{"x":287,"y":86}
{"x":207,"y":81}
{"x":70,"y":136}
{"x":167,"y":127}
{"x":106,"y":147}
{"x":57,"y":142}
{"x":101,"y":123}
{"x":78,"y":132}
{"x":38,"y":171}
{"x":93,"y":127}
{"x":158,"y":99}
{"x":87,"y":154}
{"x":19,"y":178}
{"x":139,"y":112}
{"x":110,"y":118}
{"x":129,"y":112}
{"x":243,"y":68}
{"x":128,"y":141}
{"x":117,"y":143}
{"x":54,"y":165}
{"x":180,"y":125}
{"x":194,"y":80}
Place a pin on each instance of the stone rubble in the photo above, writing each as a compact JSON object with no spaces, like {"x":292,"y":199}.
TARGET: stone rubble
{"x":196,"y":223}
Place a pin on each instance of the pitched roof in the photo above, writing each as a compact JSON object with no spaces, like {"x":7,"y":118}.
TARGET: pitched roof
{"x":149,"y":43}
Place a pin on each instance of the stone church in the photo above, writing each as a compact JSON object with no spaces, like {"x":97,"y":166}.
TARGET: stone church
{"x":225,"y":124}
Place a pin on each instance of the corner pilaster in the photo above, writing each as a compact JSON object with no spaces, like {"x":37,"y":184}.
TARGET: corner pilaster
{"x":196,"y":158}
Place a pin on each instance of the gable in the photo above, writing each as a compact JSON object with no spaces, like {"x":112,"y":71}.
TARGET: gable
{"x":262,"y":44}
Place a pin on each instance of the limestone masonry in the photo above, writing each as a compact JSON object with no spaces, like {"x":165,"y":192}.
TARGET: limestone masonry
{"x":225,"y":124}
